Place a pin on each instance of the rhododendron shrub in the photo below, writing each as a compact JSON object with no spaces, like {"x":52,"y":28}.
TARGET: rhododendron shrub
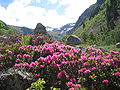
{"x":12,"y":39}
{"x":63,"y":66}
{"x":40,"y":39}
{"x":35,"y":39}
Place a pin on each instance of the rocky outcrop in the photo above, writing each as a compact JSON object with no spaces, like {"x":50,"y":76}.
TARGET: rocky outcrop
{"x":2,"y":37}
{"x":118,"y":45}
{"x":40,"y":29}
{"x":15,"y":80}
{"x":73,"y":40}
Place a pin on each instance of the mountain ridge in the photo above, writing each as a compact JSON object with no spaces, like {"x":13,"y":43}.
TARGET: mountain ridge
{"x":99,"y":25}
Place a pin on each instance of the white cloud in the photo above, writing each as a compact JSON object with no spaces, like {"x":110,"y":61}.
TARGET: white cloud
{"x":76,"y":7}
{"x":37,"y":1}
{"x":54,"y":19}
{"x":20,"y":13}
{"x":53,"y":1}
{"x":21,"y":2}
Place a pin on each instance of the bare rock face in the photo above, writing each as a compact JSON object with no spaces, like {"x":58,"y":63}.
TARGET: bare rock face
{"x":15,"y":80}
{"x":40,"y":29}
{"x":73,"y":40}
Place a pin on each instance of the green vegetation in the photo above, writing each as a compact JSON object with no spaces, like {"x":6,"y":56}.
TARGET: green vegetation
{"x":2,"y":24}
{"x":88,"y":23}
{"x":105,"y":48}
{"x":38,"y":85}
{"x":25,"y":40}
{"x":108,"y":48}
{"x":8,"y":30}
{"x":3,"y":31}
{"x":109,"y":38}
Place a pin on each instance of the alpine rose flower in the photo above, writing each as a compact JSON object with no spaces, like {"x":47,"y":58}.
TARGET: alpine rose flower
{"x":105,"y":81}
{"x":26,"y":56}
{"x":59,"y":75}
{"x":26,"y":64}
{"x":17,"y":60}
{"x":37,"y":75}
{"x":69,"y":83}
{"x":71,"y":89}
{"x":1,"y":56}
{"x":87,"y":71}
{"x":1,"y":66}
{"x":117,"y":73}
{"x":77,"y":86}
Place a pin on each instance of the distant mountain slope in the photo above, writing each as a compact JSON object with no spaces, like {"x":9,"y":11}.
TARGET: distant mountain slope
{"x":4,"y":26}
{"x":99,"y":21}
{"x":25,"y":30}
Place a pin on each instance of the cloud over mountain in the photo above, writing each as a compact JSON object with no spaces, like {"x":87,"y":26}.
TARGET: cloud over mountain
{"x":29,"y":12}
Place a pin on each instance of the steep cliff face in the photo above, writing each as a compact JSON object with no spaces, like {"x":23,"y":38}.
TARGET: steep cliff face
{"x":100,"y":19}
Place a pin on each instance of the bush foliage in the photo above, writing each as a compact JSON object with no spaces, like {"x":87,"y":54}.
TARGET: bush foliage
{"x":62,"y":66}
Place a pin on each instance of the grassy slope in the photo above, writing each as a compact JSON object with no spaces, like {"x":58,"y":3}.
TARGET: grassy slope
{"x":89,"y":23}
{"x":106,"y":48}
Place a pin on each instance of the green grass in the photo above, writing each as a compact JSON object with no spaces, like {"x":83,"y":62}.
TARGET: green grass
{"x":106,"y":48}
{"x":109,"y":48}
{"x":98,"y":17}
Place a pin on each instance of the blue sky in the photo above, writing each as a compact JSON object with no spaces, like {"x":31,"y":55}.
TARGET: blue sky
{"x":54,"y":13}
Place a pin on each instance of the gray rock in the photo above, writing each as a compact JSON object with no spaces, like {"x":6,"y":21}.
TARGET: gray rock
{"x":73,"y":40}
{"x":118,"y":45}
{"x":40,"y":29}
{"x":2,"y":37}
{"x":15,"y":80}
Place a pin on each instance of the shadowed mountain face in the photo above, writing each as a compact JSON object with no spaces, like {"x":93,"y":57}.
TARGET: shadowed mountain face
{"x":4,"y":26}
{"x":25,"y":30}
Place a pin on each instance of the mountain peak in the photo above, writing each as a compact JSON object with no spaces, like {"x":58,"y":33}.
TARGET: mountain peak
{"x":40,"y":29}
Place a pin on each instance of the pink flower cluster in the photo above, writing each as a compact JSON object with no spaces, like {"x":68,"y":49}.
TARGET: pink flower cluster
{"x":76,"y":86}
{"x":26,"y":56}
{"x":9,"y":52}
{"x":117,"y":73}
{"x":1,"y":56}
{"x":105,"y":81}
